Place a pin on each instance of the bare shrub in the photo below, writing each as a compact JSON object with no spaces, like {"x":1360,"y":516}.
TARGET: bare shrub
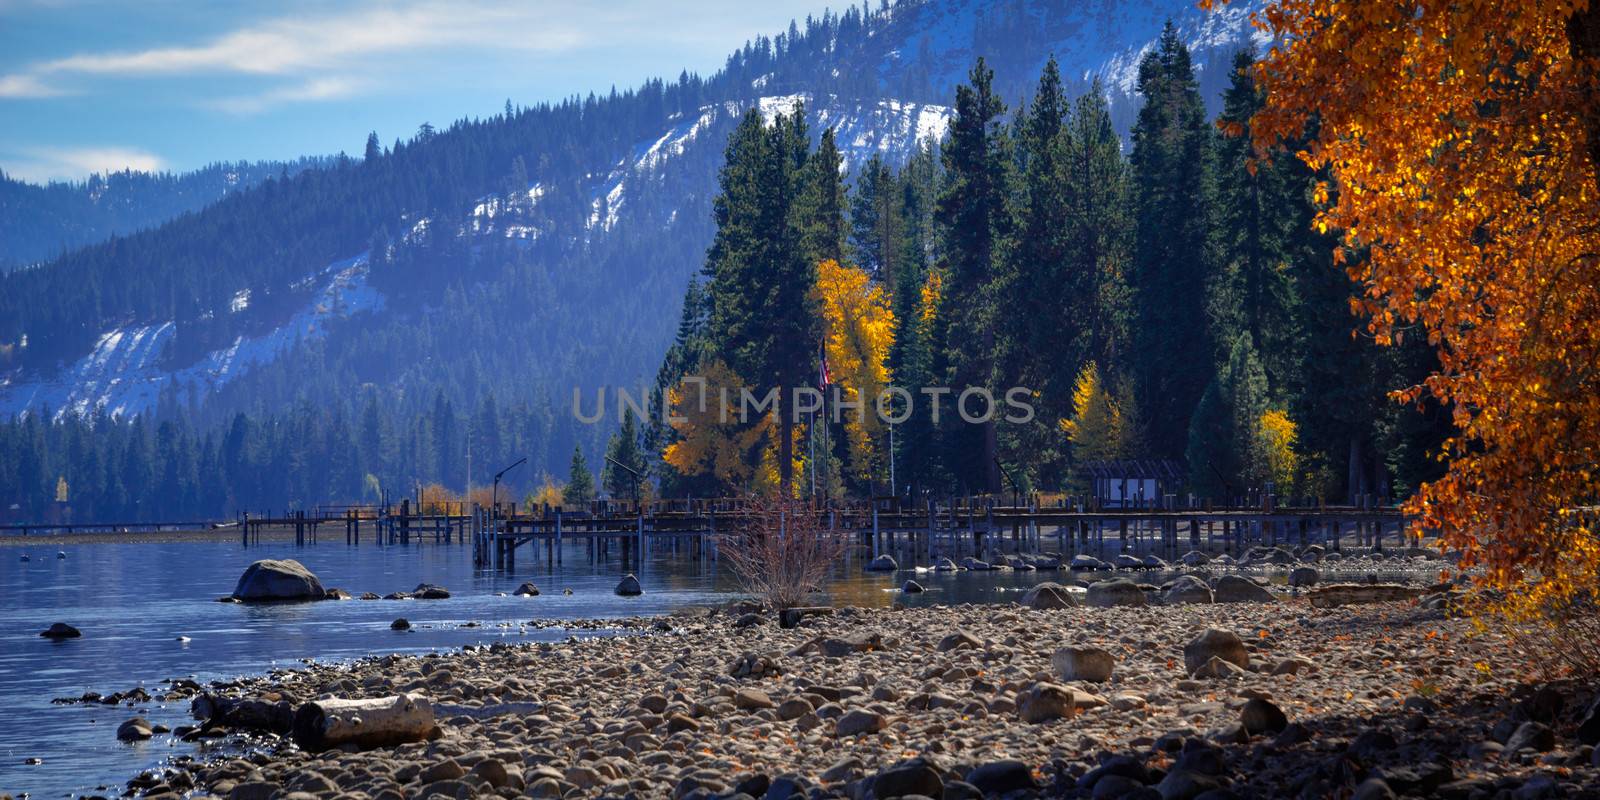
{"x":781,"y":550}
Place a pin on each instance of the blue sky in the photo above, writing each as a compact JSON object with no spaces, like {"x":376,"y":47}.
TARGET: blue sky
{"x":92,"y":85}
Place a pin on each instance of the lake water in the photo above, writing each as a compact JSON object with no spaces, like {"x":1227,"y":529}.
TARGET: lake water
{"x":133,"y":601}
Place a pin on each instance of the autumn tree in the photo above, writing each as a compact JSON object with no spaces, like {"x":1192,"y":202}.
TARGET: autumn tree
{"x":858,"y":329}
{"x":1462,"y":145}
{"x":1095,"y":428}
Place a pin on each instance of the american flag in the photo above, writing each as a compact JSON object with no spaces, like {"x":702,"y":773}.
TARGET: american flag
{"x":827,"y":377}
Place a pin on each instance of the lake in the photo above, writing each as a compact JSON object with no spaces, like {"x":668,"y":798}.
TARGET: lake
{"x":134,"y":600}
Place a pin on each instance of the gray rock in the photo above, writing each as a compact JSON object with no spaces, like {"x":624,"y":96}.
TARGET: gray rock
{"x":883,"y":563}
{"x":60,"y":630}
{"x":1535,"y":736}
{"x":914,"y":777}
{"x":1049,"y":595}
{"x":1188,"y":589}
{"x":945,"y":565}
{"x":1185,"y":784}
{"x":1128,"y":561}
{"x":1083,"y":664}
{"x":912,"y":587}
{"x":960,"y":640}
{"x":1215,"y":643}
{"x":1083,"y":561}
{"x":1303,"y":576}
{"x":859,"y":721}
{"x":278,"y":580}
{"x":1153,"y":561}
{"x":629,"y":586}
{"x":401,"y":624}
{"x":428,"y":591}
{"x":1045,"y":702}
{"x":1115,"y":592}
{"x":999,"y":777}
{"x":1262,"y":716}
{"x":1239,"y":589}
{"x":134,"y":730}
{"x":1342,"y":594}
{"x":527,"y":590}
{"x":1195,"y":558}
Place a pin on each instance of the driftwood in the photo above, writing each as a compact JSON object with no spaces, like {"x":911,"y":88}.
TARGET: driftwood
{"x":375,"y":722}
{"x":1343,"y":594}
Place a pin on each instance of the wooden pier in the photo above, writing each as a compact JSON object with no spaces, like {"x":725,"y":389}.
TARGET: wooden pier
{"x":982,"y":527}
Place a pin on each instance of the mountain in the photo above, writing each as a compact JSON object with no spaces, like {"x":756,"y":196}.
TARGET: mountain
{"x":41,"y":222}
{"x":493,"y":268}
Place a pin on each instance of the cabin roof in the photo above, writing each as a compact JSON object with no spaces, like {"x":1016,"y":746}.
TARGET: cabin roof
{"x":1134,"y":468}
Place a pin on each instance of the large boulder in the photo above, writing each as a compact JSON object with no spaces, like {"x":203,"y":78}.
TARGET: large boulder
{"x":526,"y":590}
{"x":1187,"y":589}
{"x":883,"y":563}
{"x":629,"y":586}
{"x":1215,"y":643}
{"x":272,"y":580}
{"x":1239,"y":589}
{"x":945,"y":565}
{"x":1195,"y":558}
{"x":1129,"y":561}
{"x":1303,"y":576}
{"x":1115,"y":592}
{"x":1049,"y":595}
{"x":1090,"y":664}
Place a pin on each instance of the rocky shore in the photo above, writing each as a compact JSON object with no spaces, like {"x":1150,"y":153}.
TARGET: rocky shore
{"x":1185,"y":701}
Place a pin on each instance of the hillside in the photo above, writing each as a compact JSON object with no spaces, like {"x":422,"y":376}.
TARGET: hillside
{"x":511,"y":259}
{"x":38,"y":223}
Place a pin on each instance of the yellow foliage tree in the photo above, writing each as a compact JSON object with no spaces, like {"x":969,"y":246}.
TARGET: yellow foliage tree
{"x":858,"y":330}
{"x":1279,"y":441}
{"x":1462,"y":141}
{"x":714,"y":441}
{"x":1095,"y":428}
{"x":549,"y":493}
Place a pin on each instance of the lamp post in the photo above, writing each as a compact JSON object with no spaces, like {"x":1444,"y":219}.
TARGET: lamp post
{"x":638,"y":506}
{"x":494,"y":494}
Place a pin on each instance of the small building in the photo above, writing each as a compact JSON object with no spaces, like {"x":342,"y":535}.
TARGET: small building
{"x":1131,"y":483}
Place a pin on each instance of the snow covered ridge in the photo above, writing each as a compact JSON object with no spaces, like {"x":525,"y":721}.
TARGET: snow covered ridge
{"x":123,"y":376}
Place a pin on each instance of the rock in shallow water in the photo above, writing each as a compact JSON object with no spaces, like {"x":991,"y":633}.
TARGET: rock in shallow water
{"x":61,"y":630}
{"x":629,"y":586}
{"x":278,"y":580}
{"x":1115,"y":592}
{"x":883,"y":563}
{"x":1049,"y":595}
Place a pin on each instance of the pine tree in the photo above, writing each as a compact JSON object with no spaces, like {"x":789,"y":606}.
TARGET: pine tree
{"x":624,"y":449}
{"x":972,"y":214}
{"x":876,"y":227}
{"x":1227,"y":450}
{"x":580,"y":481}
{"x":1174,"y":243}
{"x":374,"y":150}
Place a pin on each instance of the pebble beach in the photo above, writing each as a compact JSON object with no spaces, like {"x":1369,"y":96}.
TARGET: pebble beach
{"x":1193,"y":700}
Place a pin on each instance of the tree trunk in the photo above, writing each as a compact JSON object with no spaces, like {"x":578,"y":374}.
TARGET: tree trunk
{"x":1583,"y":36}
{"x":375,"y":722}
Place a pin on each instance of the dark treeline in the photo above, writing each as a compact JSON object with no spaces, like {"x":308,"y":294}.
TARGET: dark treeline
{"x":1172,"y":302}
{"x":43,"y":222}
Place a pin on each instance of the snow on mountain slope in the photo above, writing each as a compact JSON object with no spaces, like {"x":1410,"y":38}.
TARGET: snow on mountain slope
{"x":124,"y":375}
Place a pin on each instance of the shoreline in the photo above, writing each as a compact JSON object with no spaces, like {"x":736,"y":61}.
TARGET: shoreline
{"x":870,"y":702}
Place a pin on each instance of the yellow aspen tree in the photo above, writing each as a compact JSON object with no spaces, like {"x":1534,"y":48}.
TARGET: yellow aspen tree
{"x":858,"y":330}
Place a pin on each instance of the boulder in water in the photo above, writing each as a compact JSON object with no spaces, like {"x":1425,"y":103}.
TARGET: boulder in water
{"x":401,"y":624}
{"x":883,"y":563}
{"x":1195,"y":558}
{"x":527,"y":590}
{"x":61,"y":630}
{"x":274,"y":580}
{"x":945,"y":565}
{"x":1083,"y":561}
{"x":134,"y":730}
{"x":1303,"y":576}
{"x":338,"y":594}
{"x":912,"y":587}
{"x":428,"y":591}
{"x":629,"y":586}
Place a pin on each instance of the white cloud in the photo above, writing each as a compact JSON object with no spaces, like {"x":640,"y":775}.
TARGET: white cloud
{"x":75,"y":163}
{"x":20,"y":86}
{"x":314,"y":90}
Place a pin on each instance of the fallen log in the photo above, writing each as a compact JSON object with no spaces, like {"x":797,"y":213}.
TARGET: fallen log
{"x":373,"y":722}
{"x":1343,"y":594}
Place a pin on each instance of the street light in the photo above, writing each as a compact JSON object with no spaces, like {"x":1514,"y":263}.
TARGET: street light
{"x":494,"y":494}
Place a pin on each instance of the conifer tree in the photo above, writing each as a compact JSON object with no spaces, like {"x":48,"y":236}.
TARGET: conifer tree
{"x":972,"y":214}
{"x":624,"y":449}
{"x":1174,"y":193}
{"x":580,"y":481}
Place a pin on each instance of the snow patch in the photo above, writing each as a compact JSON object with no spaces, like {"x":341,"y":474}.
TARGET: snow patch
{"x":123,"y":376}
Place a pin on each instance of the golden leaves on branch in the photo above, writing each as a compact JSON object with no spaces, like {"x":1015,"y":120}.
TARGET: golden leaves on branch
{"x":1455,"y":139}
